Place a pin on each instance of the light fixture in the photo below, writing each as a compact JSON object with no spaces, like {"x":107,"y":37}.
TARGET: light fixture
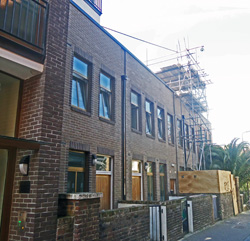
{"x":24,"y":165}
{"x":94,"y":159}
{"x":146,"y":166}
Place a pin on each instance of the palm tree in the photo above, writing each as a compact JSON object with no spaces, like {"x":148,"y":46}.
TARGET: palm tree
{"x":232,"y":157}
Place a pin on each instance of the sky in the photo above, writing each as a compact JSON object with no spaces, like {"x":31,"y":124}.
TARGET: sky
{"x":222,"y":26}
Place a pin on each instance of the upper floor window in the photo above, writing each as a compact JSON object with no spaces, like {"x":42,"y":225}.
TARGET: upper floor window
{"x":170,"y":129}
{"x":149,"y":118}
{"x":135,"y":111}
{"x":105,"y":99}
{"x":79,"y":94}
{"x":179,"y":131}
{"x":161,"y":123}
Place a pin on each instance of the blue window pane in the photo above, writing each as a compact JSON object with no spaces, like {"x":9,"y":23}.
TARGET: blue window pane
{"x":81,"y":95}
{"x":80,"y":67}
{"x":134,"y":99}
{"x":148,"y":109}
{"x":101,"y":111}
{"x":74,"y":93}
{"x":105,"y":82}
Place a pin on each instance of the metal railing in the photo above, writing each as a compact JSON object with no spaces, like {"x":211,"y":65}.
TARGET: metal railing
{"x":25,"y":20}
{"x":97,"y":4}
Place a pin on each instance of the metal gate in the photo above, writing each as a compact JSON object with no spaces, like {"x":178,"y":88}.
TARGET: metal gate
{"x":158,"y":223}
{"x":215,"y":207}
{"x":184,"y":215}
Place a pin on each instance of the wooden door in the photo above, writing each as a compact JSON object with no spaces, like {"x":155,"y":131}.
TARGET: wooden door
{"x":103,"y":185}
{"x":172,"y":186}
{"x":136,"y":188}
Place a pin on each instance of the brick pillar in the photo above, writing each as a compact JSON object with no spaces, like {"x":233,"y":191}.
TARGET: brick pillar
{"x":84,"y":207}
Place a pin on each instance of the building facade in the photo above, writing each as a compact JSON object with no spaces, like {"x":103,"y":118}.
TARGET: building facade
{"x":85,"y":115}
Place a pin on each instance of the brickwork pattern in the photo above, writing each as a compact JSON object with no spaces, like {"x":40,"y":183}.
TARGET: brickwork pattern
{"x":41,"y":120}
{"x":125,"y":224}
{"x":202,"y":211}
{"x":86,"y":218}
{"x":225,"y":205}
{"x":65,"y":227}
{"x":174,"y":220}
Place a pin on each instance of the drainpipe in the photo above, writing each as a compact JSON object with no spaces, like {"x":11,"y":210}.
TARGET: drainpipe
{"x":124,"y":80}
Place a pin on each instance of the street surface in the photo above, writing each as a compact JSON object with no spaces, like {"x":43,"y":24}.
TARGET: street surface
{"x":233,"y":229}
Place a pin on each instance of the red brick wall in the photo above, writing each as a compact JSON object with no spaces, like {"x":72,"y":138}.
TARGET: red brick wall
{"x":125,"y":224}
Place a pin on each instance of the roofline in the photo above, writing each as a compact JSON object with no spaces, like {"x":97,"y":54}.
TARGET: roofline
{"x":121,"y":45}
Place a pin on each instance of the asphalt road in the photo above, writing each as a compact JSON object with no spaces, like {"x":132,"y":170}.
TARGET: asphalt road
{"x":233,"y":229}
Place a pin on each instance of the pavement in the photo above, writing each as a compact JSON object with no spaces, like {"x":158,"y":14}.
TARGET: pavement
{"x":236,"y":228}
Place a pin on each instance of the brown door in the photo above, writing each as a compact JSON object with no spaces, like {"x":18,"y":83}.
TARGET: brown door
{"x":136,"y":188}
{"x":103,"y":185}
{"x":172,"y":186}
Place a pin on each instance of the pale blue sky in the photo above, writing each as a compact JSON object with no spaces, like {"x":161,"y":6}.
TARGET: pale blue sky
{"x":222,"y":26}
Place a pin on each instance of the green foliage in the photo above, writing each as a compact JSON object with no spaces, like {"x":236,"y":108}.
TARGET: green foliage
{"x":232,"y":157}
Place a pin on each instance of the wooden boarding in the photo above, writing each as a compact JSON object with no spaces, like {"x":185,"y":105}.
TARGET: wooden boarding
{"x":211,"y":181}
{"x":235,"y":205}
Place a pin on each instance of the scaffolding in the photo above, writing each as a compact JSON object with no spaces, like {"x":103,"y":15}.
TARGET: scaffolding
{"x":189,"y":82}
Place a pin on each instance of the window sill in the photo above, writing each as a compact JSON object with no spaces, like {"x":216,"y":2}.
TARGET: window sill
{"x":136,"y":131}
{"x":79,"y":110}
{"x":150,"y":136}
{"x":106,"y":120}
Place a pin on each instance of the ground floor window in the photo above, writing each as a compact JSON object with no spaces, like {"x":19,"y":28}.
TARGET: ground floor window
{"x":137,"y":180}
{"x":76,"y":172}
{"x":162,"y":182}
{"x":150,"y":179}
{"x":104,"y":180}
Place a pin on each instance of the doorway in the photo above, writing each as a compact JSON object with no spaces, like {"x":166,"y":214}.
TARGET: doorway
{"x":137,"y":180}
{"x":104,"y":181}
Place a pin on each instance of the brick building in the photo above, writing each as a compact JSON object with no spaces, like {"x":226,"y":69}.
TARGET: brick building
{"x":85,"y":115}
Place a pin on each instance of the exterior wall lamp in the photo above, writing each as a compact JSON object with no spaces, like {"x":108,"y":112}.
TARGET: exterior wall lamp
{"x":146,"y":166}
{"x":94,"y":159}
{"x":24,"y":165}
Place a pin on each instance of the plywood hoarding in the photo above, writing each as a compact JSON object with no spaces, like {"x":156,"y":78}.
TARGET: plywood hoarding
{"x":211,"y":181}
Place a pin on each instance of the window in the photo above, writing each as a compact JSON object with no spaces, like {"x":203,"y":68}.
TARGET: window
{"x":135,"y":111}
{"x":105,"y":104}
{"x":186,"y":130}
{"x":193,"y":139}
{"x":162,"y":182}
{"x":179,"y":132}
{"x":76,"y":172}
{"x":79,"y":93}
{"x":170,"y":129}
{"x":149,"y":118}
{"x":161,"y":123}
{"x":150,"y":179}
